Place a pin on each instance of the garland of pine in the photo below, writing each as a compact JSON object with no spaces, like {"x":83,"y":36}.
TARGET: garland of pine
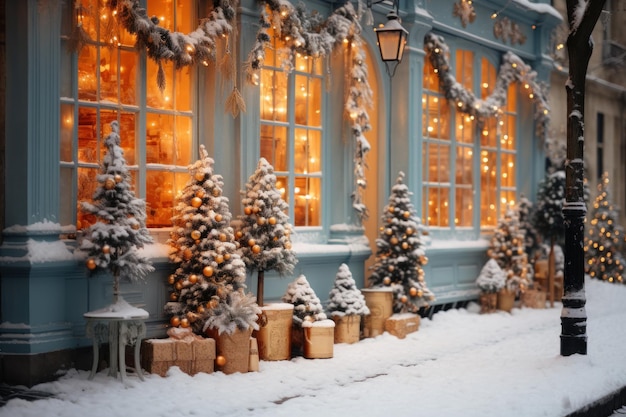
{"x":512,"y":69}
{"x":303,"y":32}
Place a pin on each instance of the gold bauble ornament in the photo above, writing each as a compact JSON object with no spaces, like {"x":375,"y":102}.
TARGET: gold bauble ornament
{"x":394,"y":240}
{"x":413,"y":291}
{"x":226,"y":256}
{"x":219,"y":259}
{"x":388,"y":232}
{"x":260,"y":221}
{"x":406,"y":214}
{"x":200,"y":194}
{"x":193,"y":278}
{"x":218,"y":217}
{"x":255,"y":209}
{"x":199,"y":176}
{"x":247,"y":210}
{"x":287,"y":245}
{"x":117,"y":178}
{"x":91,"y":264}
{"x":171,"y":279}
{"x":251,"y":242}
{"x":174,"y":321}
{"x":386,"y":280}
{"x":409,"y":231}
{"x":272,"y":220}
{"x":191,"y":316}
{"x":195,"y":235}
{"x":420,"y":293}
{"x":200,"y":309}
{"x":109,"y":184}
{"x":173,"y":296}
{"x":196,"y":202}
{"x":178,"y":285}
{"x":509,"y":252}
{"x":106,"y":249}
{"x":187,"y":254}
{"x":390,"y":209}
{"x":391,"y":268}
{"x":220,"y":360}
{"x":223,"y":237}
{"x":256,"y":249}
{"x":184,"y":322}
{"x":207,"y":271}
{"x":238,"y":234}
{"x":404,"y":299}
{"x":405,"y":245}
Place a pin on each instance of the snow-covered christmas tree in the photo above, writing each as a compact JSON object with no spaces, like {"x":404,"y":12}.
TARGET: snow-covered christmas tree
{"x":203,"y":247}
{"x":307,"y":305}
{"x":345,"y":298}
{"x":548,"y":216}
{"x":400,"y":253}
{"x":264,"y":233}
{"x":492,"y":278}
{"x":603,"y":257}
{"x":112,"y":244}
{"x":526,"y":212}
{"x":507,"y":248}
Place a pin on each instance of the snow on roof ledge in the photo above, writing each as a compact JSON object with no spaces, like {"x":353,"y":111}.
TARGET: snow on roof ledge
{"x":539,"y":8}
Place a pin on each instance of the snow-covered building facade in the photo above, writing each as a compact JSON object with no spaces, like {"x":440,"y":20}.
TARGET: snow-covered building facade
{"x":469,"y":146}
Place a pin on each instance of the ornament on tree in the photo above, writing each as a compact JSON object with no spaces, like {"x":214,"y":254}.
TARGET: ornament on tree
{"x":398,"y":266}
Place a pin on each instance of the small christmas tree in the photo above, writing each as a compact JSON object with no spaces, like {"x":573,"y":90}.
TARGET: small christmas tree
{"x":204,"y":249}
{"x":307,"y":305}
{"x":492,"y":278}
{"x":548,"y":216}
{"x":507,"y":248}
{"x":113,"y":242}
{"x":526,"y":213}
{"x":603,"y":257}
{"x":345,"y":298}
{"x":400,"y":255}
{"x":265,"y":229}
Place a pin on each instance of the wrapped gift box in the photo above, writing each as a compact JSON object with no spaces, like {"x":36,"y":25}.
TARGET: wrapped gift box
{"x":400,"y":325}
{"x":191,"y":355}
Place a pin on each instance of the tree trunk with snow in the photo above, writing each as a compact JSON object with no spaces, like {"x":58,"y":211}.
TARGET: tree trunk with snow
{"x":580,"y":47}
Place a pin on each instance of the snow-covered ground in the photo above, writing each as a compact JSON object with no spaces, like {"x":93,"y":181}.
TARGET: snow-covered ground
{"x":460,"y":363}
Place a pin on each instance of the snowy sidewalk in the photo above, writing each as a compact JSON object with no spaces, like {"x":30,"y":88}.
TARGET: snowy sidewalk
{"x":460,"y":363}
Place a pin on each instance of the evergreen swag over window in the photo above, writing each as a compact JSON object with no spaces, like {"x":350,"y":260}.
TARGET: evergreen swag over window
{"x":303,"y":32}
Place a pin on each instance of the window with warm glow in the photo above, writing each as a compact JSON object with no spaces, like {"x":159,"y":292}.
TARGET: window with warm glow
{"x":291,"y":130}
{"x":452,"y":187}
{"x":114,"y":81}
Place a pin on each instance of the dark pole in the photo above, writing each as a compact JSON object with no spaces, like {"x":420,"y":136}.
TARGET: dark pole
{"x":579,"y":47}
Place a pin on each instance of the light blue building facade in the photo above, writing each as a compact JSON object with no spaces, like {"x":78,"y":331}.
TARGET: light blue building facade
{"x":461,"y":181}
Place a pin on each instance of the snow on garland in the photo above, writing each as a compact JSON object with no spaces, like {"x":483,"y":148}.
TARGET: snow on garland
{"x":308,"y":34}
{"x":512,"y":69}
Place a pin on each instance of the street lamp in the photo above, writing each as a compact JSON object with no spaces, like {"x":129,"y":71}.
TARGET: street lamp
{"x":391,"y":41}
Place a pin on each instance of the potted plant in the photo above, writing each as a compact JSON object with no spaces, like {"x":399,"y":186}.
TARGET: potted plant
{"x":312,"y":331}
{"x":490,"y":281}
{"x":231,"y":325}
{"x":346,"y":306}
